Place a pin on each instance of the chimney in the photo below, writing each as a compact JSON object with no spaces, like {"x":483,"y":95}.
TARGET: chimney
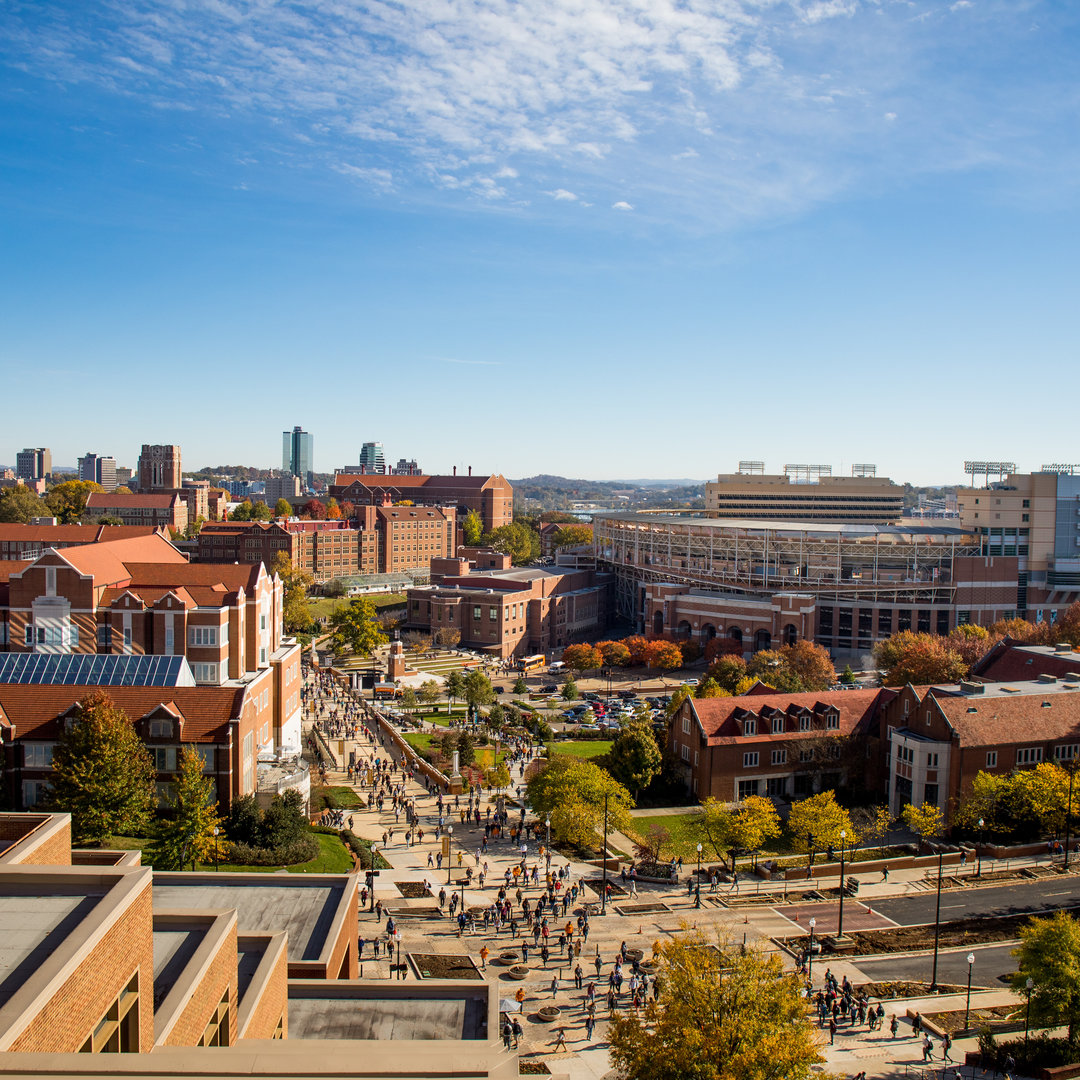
{"x":455,"y":470}
{"x":470,"y":470}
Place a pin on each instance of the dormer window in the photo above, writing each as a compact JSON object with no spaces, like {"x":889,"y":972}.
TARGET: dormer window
{"x":832,"y":720}
{"x":805,"y":723}
{"x":161,"y":729}
{"x":749,"y":726}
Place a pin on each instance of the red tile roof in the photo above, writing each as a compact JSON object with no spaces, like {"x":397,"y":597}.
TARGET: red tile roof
{"x":102,"y":500}
{"x":228,"y":576}
{"x":34,"y":711}
{"x":856,"y":708}
{"x":1026,"y":718}
{"x":108,"y":562}
{"x":47,"y":535}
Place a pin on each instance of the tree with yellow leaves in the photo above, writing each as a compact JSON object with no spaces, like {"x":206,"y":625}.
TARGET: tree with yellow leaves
{"x":572,"y":791}
{"x":926,"y":821}
{"x":818,"y":822}
{"x":722,"y":1013}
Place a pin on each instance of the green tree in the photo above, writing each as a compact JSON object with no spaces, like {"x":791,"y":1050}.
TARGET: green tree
{"x":755,"y":823}
{"x":429,"y":692}
{"x":472,"y":528}
{"x":880,"y":823}
{"x":19,"y":504}
{"x":728,"y":672}
{"x":466,"y":748}
{"x":572,"y":791}
{"x":570,"y":691}
{"x":102,"y":773}
{"x":497,"y":777}
{"x":769,"y":666}
{"x":634,"y":758}
{"x":847,"y":676}
{"x":1049,"y":955}
{"x":518,"y":541}
{"x":295,"y":582}
{"x":408,"y":697}
{"x":242,"y":512}
{"x":478,"y":690}
{"x":710,"y":688}
{"x":261,"y":512}
{"x":67,"y":501}
{"x":455,"y":688}
{"x":986,"y":801}
{"x":520,"y":686}
{"x":723,"y":1012}
{"x":283,"y":823}
{"x":186,"y":835}
{"x":356,"y":628}
{"x":245,"y":821}
{"x":821,"y":817}
{"x":283,"y":508}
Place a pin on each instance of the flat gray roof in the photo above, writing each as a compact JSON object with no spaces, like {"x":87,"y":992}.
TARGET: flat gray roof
{"x":305,"y":910}
{"x":173,"y":949}
{"x":351,"y":1018}
{"x":847,"y":528}
{"x":34,"y":926}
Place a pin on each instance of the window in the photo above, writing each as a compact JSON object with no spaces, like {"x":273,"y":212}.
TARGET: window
{"x":50,"y":580}
{"x":104,"y":637}
{"x":477,"y":613}
{"x":127,"y":637}
{"x":749,"y":726}
{"x":37,"y":755}
{"x":991,"y":759}
{"x":205,"y":672}
{"x":930,"y":794}
{"x":805,"y":723}
{"x":686,"y":724}
{"x":779,"y":757}
{"x":33,"y":792}
{"x":832,"y":720}
{"x":776,"y":786}
{"x":931,"y":761}
{"x":29,"y":634}
{"x":1068,"y":752}
{"x":493,"y":613}
{"x":201,"y":636}
{"x":164,"y":758}
{"x":161,"y":729}
{"x":750,"y":760}
{"x":806,"y":755}
{"x":686,"y":753}
{"x":1029,"y":755}
{"x":747,"y":788}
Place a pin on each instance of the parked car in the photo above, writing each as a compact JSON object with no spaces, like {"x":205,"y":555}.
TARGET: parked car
{"x":627,"y":695}
{"x":549,"y":688}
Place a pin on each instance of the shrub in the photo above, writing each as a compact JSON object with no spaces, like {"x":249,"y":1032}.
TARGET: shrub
{"x":302,"y":849}
{"x":362,"y":850}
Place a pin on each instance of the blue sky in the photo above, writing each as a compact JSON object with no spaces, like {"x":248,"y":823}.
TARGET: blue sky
{"x":645,"y":238}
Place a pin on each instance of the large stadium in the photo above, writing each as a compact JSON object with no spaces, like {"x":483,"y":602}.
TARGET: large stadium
{"x":765,"y":582}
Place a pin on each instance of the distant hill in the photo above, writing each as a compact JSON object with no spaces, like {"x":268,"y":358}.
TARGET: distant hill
{"x":547,"y":492}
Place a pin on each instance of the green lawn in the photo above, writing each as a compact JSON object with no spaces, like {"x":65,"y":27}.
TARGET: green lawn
{"x":420,"y":740}
{"x":582,"y":749}
{"x":322,"y":607}
{"x":685,"y":834}
{"x":344,"y":798}
{"x":333,"y":858}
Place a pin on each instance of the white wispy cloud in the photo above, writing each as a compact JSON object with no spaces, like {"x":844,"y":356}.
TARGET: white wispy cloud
{"x":621,"y":205}
{"x":721,"y":110}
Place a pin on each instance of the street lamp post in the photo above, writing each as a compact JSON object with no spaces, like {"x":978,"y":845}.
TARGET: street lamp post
{"x":967,"y":1008}
{"x":809,"y":855}
{"x":547,"y":824}
{"x":374,"y":853}
{"x":449,"y":851}
{"x":978,"y":872}
{"x":937,"y":920}
{"x":699,"y":861}
{"x":397,"y":937}
{"x":216,"y":867}
{"x":840,"y":920}
{"x":1027,"y":1014}
{"x":810,"y":962}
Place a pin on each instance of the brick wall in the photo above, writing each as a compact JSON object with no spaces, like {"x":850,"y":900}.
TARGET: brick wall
{"x":219,"y":977}
{"x":67,"y":1020}
{"x":273,"y":1004}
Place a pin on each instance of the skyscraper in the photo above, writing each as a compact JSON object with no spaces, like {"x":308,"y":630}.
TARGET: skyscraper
{"x":372,"y":458}
{"x":298,"y":454}
{"x":98,"y":470}
{"x":34,"y":463}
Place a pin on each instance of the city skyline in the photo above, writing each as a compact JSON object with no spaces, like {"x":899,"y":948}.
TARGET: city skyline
{"x":842,"y":224}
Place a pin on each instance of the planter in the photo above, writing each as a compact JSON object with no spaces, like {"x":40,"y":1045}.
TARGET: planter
{"x":520,"y":972}
{"x":649,"y":967}
{"x":549,"y":1013}
{"x":634,"y":954}
{"x":508,"y":959}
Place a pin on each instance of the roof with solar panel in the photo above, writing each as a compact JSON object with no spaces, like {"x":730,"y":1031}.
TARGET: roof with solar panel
{"x":94,"y":670}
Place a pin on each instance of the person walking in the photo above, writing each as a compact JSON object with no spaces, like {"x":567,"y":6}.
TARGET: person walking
{"x":518,"y":1032}
{"x":927,"y":1049}
{"x":590,"y":1023}
{"x":832,"y":1030}
{"x":578,"y":976}
{"x":560,"y":1042}
{"x":554,"y":985}
{"x":507,"y":1034}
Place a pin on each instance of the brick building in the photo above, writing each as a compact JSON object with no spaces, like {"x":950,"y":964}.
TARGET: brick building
{"x":159,"y":468}
{"x":779,"y":745}
{"x":30,"y":541}
{"x":160,"y":510}
{"x":514,"y":612}
{"x":491,"y":497}
{"x":376,"y":540}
